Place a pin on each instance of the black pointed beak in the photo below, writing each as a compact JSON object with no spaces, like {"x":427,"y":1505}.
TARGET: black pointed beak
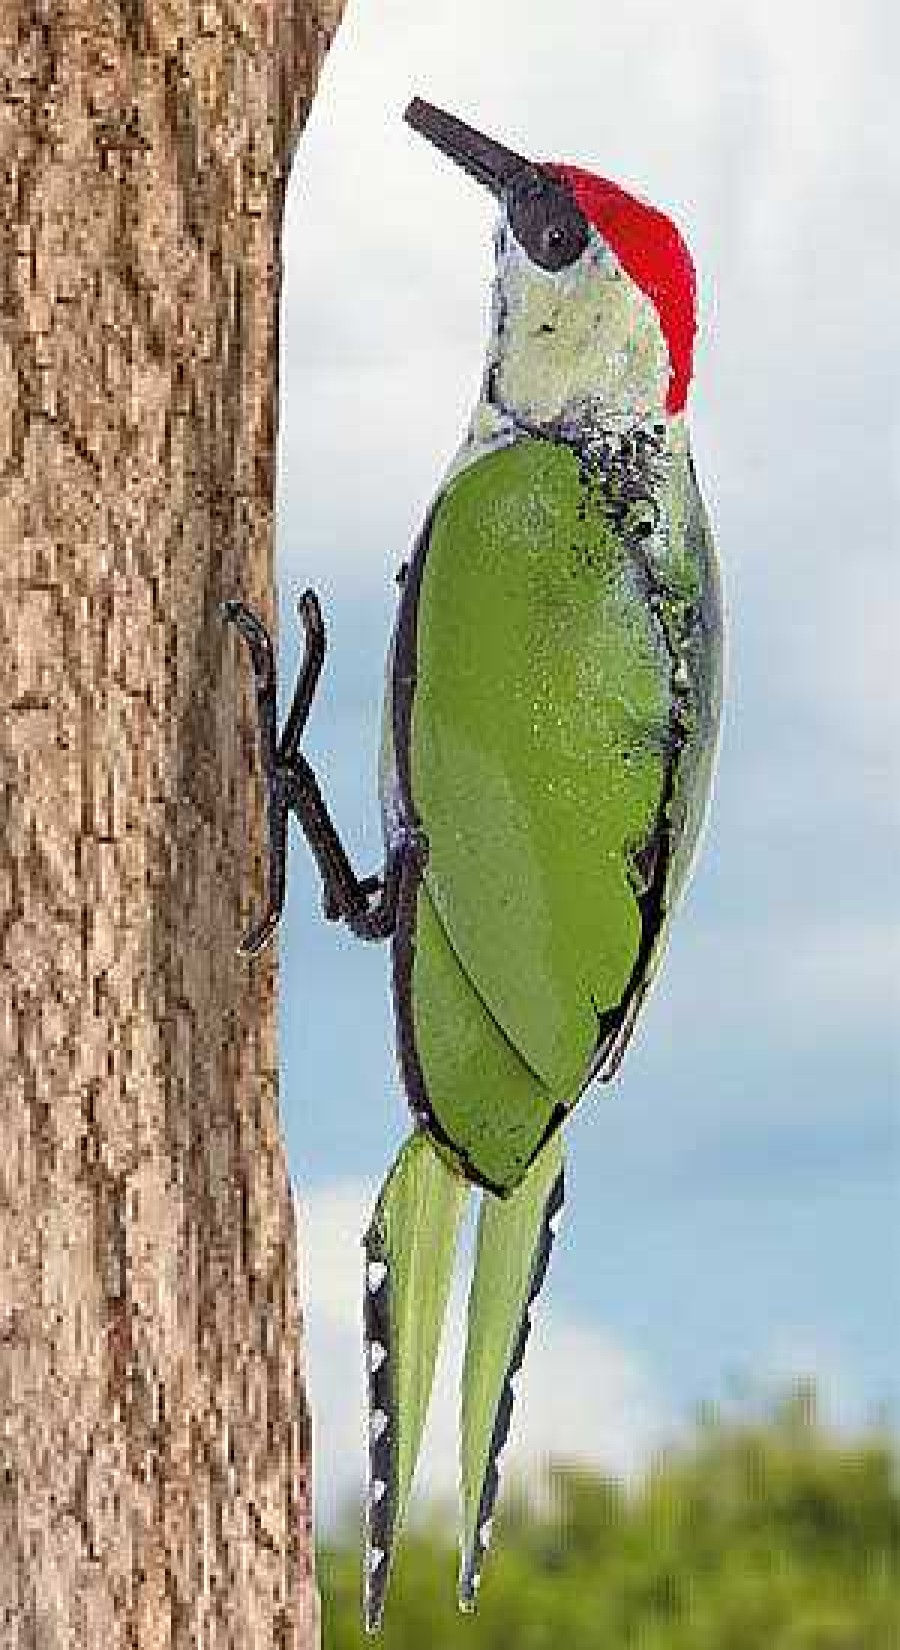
{"x":485,"y":160}
{"x":543,"y":215}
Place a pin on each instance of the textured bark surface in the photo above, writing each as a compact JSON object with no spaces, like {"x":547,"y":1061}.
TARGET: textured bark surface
{"x":153,"y":1432}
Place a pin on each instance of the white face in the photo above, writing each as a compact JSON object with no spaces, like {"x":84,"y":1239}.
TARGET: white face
{"x":582,"y":342}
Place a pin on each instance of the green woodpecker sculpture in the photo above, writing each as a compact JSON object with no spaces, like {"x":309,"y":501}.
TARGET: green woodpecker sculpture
{"x":550,"y":728}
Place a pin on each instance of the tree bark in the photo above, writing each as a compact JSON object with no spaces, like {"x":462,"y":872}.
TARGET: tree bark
{"x":154,"y":1445}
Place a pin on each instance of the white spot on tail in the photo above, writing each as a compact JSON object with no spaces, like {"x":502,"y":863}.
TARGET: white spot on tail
{"x":377,"y":1355}
{"x":376,"y":1272}
{"x":375,"y":1558}
{"x":485,"y":1533}
{"x":554,"y":1221}
{"x":378,"y":1424}
{"x":377,"y":1489}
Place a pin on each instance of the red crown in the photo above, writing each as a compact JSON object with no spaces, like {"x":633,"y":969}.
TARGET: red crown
{"x":650,"y":250}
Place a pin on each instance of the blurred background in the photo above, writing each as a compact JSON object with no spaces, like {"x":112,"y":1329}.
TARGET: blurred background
{"x":731,"y":1228}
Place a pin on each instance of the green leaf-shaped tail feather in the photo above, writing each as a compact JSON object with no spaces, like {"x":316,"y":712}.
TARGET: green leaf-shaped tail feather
{"x":515,"y":1236}
{"x":409,"y":1253}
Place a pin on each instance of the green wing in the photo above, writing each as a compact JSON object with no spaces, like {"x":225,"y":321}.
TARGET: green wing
{"x":409,"y":1252}
{"x":564,"y":708}
{"x":489,"y":1102}
{"x":540,"y":734}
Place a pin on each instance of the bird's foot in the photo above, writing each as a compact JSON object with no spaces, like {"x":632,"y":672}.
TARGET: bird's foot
{"x":367,"y":905}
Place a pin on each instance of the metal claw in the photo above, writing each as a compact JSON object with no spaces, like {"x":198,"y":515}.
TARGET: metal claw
{"x":262,"y":658}
{"x":313,"y":659}
{"x":368,"y":905}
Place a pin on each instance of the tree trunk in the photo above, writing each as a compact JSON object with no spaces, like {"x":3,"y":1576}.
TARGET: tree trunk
{"x":154,"y":1446}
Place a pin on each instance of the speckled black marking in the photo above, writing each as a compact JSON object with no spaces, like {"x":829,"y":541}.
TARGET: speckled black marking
{"x":632,"y":465}
{"x":626,"y":466}
{"x":473,"y":1560}
{"x":650,"y":860}
{"x":491,"y":382}
{"x":618,"y":1024}
{"x":646,"y":859}
{"x":381,"y":1515}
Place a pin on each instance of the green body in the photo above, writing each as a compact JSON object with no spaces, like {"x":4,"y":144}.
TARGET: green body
{"x":559,"y":720}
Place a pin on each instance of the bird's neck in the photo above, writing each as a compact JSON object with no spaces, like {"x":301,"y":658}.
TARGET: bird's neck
{"x":581,"y":351}
{"x":599,"y":433}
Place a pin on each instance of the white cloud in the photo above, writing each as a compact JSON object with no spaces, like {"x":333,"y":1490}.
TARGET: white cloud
{"x":582,"y":1398}
{"x":847,"y":969}
{"x":846,"y":663}
{"x":800,"y":982}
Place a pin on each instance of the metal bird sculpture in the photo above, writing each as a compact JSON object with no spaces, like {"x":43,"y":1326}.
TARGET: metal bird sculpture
{"x":549,"y":734}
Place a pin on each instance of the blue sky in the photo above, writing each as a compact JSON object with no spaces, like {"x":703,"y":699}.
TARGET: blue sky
{"x":732,"y":1202}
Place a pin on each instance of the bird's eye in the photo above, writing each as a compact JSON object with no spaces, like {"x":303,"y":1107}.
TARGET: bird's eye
{"x":546,"y":222}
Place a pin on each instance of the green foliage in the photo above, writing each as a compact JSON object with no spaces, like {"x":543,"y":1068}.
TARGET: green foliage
{"x":771,"y":1535}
